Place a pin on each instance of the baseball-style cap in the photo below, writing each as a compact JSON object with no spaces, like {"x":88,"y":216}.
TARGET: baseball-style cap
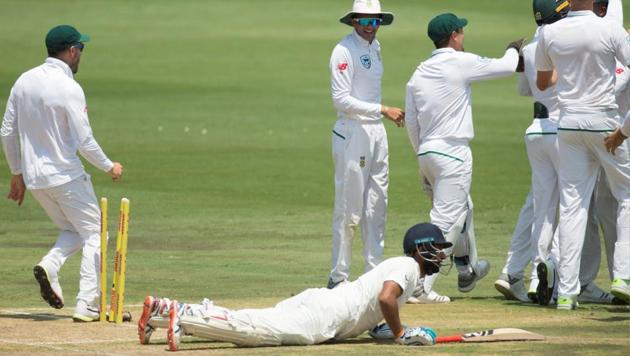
{"x":443,"y":25}
{"x":423,"y":233}
{"x":62,"y":36}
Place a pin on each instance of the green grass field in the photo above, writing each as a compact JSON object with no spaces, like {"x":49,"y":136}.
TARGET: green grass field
{"x":220,"y":112}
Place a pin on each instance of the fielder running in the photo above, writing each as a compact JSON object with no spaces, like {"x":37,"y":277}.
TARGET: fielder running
{"x":44,"y":126}
{"x":359,"y":140}
{"x":315,"y":315}
{"x":588,"y":112}
{"x":439,"y":124}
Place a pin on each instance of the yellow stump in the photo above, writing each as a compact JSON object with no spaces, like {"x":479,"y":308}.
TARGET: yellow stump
{"x":122,"y":260}
{"x":103,"y":270}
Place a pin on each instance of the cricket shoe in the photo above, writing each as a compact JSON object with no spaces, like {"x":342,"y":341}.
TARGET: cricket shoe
{"x":85,"y":313}
{"x":49,"y":288}
{"x":332,"y":284}
{"x":531,"y":292}
{"x":467,"y":281}
{"x":428,"y":298}
{"x":591,"y":293}
{"x":546,"y":272}
{"x":620,"y":288}
{"x":511,"y":287}
{"x":174,"y":332}
{"x":150,"y":308}
{"x":566,"y":302}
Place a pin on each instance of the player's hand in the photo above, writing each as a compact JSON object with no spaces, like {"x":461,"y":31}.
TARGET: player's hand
{"x":517,"y":44}
{"x":17,"y":189}
{"x":614,"y":140}
{"x":520,"y":67}
{"x":417,"y":336}
{"x":394,"y":114}
{"x":116,"y":171}
{"x":382,"y":332}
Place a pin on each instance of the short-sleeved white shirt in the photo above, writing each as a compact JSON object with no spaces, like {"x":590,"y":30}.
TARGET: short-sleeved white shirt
{"x":582,"y":48}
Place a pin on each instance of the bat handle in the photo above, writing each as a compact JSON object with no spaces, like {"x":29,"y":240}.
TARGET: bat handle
{"x":450,"y":338}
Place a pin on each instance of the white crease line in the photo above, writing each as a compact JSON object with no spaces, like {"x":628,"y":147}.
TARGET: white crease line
{"x":53,"y":343}
{"x":131,"y":324}
{"x":68,"y":306}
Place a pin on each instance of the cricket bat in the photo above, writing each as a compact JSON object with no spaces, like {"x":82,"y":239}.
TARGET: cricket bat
{"x":492,"y":335}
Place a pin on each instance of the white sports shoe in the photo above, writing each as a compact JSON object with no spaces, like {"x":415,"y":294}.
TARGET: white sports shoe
{"x":85,"y":312}
{"x":533,"y":288}
{"x":428,"y":298}
{"x":466,"y":282}
{"x":591,"y":293}
{"x":620,"y":288}
{"x":512,"y":288}
{"x":151,"y":305}
{"x":49,"y":287}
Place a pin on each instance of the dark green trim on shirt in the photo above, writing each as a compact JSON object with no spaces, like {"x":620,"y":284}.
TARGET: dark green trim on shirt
{"x":585,"y":130}
{"x":338,"y":134}
{"x":540,"y":133}
{"x":441,"y":154}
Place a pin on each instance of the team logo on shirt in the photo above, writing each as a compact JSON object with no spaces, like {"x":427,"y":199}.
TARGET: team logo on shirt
{"x":362,"y":161}
{"x":342,"y":66}
{"x":619,"y":70}
{"x":366,"y":61}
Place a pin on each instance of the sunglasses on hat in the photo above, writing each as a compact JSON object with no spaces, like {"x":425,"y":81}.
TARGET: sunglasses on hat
{"x":367,"y":21}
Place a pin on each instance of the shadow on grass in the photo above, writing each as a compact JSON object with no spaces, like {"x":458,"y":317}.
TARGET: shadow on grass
{"x":35,"y":316}
{"x":207,"y":345}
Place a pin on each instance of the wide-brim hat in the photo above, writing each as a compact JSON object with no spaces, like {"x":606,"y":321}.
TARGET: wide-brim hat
{"x":370,"y":7}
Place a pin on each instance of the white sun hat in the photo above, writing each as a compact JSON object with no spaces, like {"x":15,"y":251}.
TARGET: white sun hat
{"x":371,"y":7}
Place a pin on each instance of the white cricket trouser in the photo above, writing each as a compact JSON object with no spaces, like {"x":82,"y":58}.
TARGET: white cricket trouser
{"x":300,"y":320}
{"x":582,"y":152}
{"x":542,"y":151}
{"x":447,"y":166}
{"x":521,"y":250}
{"x":360,"y":155}
{"x":606,"y":211}
{"x":75,"y":211}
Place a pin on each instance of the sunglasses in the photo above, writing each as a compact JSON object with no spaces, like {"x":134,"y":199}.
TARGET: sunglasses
{"x":78,"y":45}
{"x":367,"y":21}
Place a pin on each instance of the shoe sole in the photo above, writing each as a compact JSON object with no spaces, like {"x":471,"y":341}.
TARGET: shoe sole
{"x":543,"y":292}
{"x":78,"y":318}
{"x":143,"y":323}
{"x":170,"y":334}
{"x":45,"y":289}
{"x":620,"y":295}
{"x":472,"y":285}
{"x":504,"y":288}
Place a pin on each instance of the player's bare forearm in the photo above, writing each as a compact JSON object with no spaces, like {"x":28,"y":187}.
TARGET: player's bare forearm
{"x":389,"y":307}
{"x":397,"y":115}
{"x":546,"y":79}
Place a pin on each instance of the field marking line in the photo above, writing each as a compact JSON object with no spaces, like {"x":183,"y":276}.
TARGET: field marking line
{"x":131,"y":324}
{"x":53,"y":343}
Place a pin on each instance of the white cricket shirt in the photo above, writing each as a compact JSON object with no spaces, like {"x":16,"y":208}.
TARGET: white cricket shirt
{"x":582,"y":48}
{"x":356,"y":305}
{"x":438,"y":100}
{"x":356,"y":71}
{"x":47,"y":112}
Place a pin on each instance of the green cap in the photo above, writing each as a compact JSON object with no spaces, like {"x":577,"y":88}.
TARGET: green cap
{"x":549,"y":11}
{"x":443,"y":25}
{"x":61,"y":37}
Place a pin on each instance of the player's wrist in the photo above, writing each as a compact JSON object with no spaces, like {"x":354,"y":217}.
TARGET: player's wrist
{"x":384,"y":109}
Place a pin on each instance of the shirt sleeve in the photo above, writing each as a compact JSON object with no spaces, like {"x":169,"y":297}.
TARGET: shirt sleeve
{"x":542,"y":61}
{"x":622,"y":79}
{"x":481,"y":68}
{"x":341,"y":73}
{"x":9,"y":135}
{"x":615,"y":12}
{"x":411,"y":119}
{"x":621,"y":43}
{"x":406,"y":276}
{"x":625,"y":128}
{"x":82,"y":132}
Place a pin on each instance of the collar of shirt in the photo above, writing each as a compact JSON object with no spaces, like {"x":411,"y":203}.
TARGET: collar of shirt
{"x":581,"y":13}
{"x":361,"y":41}
{"x":61,"y":64}
{"x":442,"y":50}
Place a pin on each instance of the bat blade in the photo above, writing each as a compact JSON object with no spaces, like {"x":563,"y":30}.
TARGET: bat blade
{"x":492,"y":335}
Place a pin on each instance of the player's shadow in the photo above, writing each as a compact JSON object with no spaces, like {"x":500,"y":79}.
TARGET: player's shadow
{"x":35,"y":316}
{"x":208,"y":345}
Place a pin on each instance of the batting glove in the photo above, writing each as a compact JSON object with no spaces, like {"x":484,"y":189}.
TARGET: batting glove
{"x":417,"y":336}
{"x":382,"y":332}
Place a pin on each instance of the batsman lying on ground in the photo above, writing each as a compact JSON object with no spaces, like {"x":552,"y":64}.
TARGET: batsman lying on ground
{"x":316,"y":315}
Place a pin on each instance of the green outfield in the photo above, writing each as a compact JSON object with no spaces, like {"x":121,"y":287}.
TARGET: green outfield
{"x":220,"y":112}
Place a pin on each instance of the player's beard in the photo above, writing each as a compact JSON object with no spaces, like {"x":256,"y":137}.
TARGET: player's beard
{"x":430,"y":268}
